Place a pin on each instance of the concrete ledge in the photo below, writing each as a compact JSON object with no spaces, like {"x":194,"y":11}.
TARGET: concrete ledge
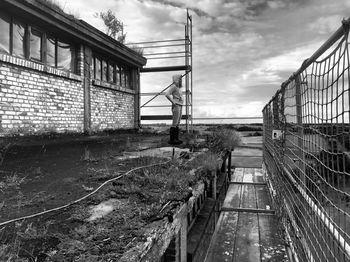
{"x":39,"y":67}
{"x":113,"y":87}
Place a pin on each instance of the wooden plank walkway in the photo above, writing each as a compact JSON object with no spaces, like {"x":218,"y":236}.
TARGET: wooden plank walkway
{"x":247,"y":228}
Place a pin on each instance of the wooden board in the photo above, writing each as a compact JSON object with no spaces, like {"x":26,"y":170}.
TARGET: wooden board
{"x":239,"y":161}
{"x":248,"y":175}
{"x":223,"y":241}
{"x":247,"y":239}
{"x":272,"y":247}
{"x":233,"y":196}
{"x":259,"y":175}
{"x":248,"y":197}
{"x":263,"y":197}
{"x":237,"y":176}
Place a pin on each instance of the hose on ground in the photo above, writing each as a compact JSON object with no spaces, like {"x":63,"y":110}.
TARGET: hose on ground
{"x":82,"y":198}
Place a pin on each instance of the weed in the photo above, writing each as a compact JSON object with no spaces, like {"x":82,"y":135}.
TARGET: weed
{"x":208,"y":161}
{"x":11,"y":181}
{"x":223,"y":140}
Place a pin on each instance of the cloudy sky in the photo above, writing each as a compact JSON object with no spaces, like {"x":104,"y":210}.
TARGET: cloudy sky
{"x":242,"y":49}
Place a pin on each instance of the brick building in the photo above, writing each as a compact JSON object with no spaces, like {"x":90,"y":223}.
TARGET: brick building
{"x":59,"y":74}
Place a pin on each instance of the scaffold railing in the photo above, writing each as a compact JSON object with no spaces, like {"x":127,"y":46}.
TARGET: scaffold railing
{"x":307,"y":152}
{"x":169,"y":52}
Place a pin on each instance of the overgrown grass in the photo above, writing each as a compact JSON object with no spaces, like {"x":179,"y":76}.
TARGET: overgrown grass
{"x":11,"y":181}
{"x":224,"y":140}
{"x":143,"y":197}
{"x":55,"y":5}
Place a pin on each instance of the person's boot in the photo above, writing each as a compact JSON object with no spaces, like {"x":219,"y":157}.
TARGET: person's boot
{"x":177,"y":140}
{"x":172,"y":135}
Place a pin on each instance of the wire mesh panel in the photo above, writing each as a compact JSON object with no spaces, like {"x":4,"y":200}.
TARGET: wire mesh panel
{"x":308,"y":165}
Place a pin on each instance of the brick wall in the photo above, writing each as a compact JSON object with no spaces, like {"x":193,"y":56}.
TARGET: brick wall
{"x":35,"y":99}
{"x":111,"y":109}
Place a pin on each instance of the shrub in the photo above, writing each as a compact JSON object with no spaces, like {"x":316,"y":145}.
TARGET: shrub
{"x":224,"y":140}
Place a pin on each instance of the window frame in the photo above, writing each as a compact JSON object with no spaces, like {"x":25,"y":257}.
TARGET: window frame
{"x":122,"y":74}
{"x":42,"y":44}
{"x":45,"y":36}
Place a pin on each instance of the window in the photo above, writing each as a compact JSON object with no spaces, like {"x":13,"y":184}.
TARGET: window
{"x":97,"y":68}
{"x":122,"y":77}
{"x":5,"y":33}
{"x":35,"y":45}
{"x":60,"y":54}
{"x":111,"y":73}
{"x":18,"y":47}
{"x":51,"y":51}
{"x":64,"y":56}
{"x":25,"y":41}
{"x":104,"y":70}
{"x":117,"y":74}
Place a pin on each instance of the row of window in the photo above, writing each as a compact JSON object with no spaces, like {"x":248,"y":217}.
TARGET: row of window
{"x":24,"y":41}
{"x":111,"y":72}
{"x":28,"y":42}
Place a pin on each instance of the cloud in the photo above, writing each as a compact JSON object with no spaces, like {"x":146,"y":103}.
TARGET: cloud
{"x":242,"y":49}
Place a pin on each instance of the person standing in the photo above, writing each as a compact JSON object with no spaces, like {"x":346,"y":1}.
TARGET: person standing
{"x":175,"y":97}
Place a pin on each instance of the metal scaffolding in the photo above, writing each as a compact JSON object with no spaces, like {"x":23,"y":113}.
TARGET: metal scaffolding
{"x":168,"y":50}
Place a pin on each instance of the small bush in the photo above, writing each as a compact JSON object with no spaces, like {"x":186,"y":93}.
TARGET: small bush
{"x":224,"y":140}
{"x":207,"y":161}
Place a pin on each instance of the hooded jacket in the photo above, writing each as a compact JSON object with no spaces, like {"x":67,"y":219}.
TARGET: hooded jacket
{"x":174,"y":90}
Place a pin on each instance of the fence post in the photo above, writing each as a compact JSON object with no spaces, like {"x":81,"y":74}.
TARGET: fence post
{"x":301,"y":160}
{"x":229,"y":165}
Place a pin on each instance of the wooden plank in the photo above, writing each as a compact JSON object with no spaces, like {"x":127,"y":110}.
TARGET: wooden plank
{"x":237,"y":176}
{"x":248,"y":175}
{"x":233,"y":196}
{"x":272,"y":247}
{"x":223,"y":241}
{"x":247,"y":240}
{"x":253,"y":162}
{"x":248,"y":197}
{"x":263,"y":197}
{"x":248,"y":183}
{"x":162,"y":117}
{"x":248,"y":210}
{"x":164,"y":69}
{"x":259,"y":175}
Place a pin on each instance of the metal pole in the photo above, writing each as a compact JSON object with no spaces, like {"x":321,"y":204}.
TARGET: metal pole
{"x":190,"y":18}
{"x":301,"y":160}
{"x":187,"y":78}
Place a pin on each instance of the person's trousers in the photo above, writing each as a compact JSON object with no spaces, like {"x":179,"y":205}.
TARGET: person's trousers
{"x":177,"y":113}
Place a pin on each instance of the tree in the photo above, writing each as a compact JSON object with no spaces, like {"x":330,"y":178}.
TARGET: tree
{"x":115,"y":28}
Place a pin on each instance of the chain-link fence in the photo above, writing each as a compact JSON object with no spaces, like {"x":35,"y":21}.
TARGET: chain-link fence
{"x":307,"y":153}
